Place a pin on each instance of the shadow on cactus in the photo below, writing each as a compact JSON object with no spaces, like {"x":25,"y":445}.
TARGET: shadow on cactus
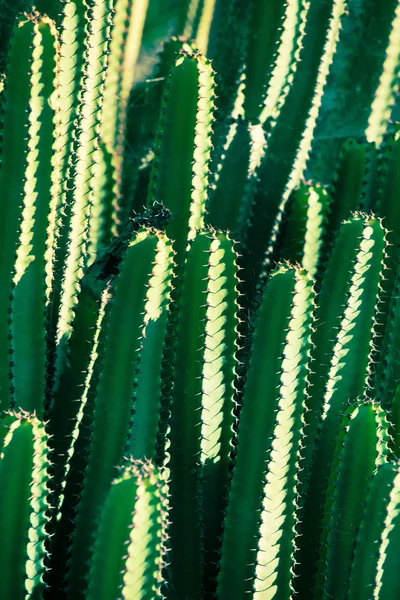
{"x":200,"y":323}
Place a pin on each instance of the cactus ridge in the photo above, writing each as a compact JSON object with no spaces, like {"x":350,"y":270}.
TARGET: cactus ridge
{"x":188,"y":95}
{"x":288,"y":296}
{"x":24,"y":475}
{"x":134,"y":524}
{"x":199,"y":317}
{"x":346,"y":380}
{"x":362,"y":445}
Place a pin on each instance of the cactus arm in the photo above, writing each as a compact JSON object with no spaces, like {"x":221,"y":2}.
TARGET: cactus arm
{"x":86,"y":167}
{"x":218,"y":391}
{"x":305,"y":228}
{"x":186,"y":422}
{"x":361,"y":446}
{"x":347,"y":187}
{"x":226,"y":199}
{"x":387,"y":89}
{"x":73,"y":382}
{"x":118,"y":350}
{"x":126,"y":36}
{"x":365,"y":563}
{"x":16,"y":98}
{"x":387,"y":578}
{"x":147,"y":542}
{"x":145,"y":419}
{"x":270,"y":380}
{"x":228,"y":57}
{"x":288,"y":146}
{"x":285,"y":64}
{"x":182,"y":149}
{"x":275,"y":557}
{"x":107,"y":565}
{"x":355,"y":72}
{"x":69,"y":74}
{"x":29,"y":284}
{"x":329,"y":313}
{"x":264,"y":30}
{"x":130,"y":543}
{"x":202,"y":401}
{"x":348,"y":378}
{"x":23,"y":476}
{"x":69,"y":443}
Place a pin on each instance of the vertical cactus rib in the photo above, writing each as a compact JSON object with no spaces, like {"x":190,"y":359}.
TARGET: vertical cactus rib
{"x":387,"y":577}
{"x":179,"y":174}
{"x":145,"y":420}
{"x":394,"y":420}
{"x":361,"y":446}
{"x":356,"y":69}
{"x":29,"y":294}
{"x":126,"y":36}
{"x":275,"y":558}
{"x":129,"y":550}
{"x":223,"y":210}
{"x":264,"y":32}
{"x":387,"y":368}
{"x":70,"y":442}
{"x":272,"y":408}
{"x":389,"y":210}
{"x":289,"y":144}
{"x":86,"y":168}
{"x":23,"y":479}
{"x":288,"y":53}
{"x":119,"y":349}
{"x":16,"y":98}
{"x":348,"y":379}
{"x":388,"y":87}
{"x":202,"y":409}
{"x":366,"y":554}
{"x":329,"y":314}
{"x":67,"y":102}
{"x":308,"y":211}
{"x":347,"y":187}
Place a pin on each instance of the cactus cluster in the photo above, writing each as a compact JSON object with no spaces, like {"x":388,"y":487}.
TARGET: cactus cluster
{"x":200,"y":315}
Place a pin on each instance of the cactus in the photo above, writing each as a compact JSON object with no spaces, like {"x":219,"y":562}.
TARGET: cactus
{"x":133,"y":526}
{"x":270,"y":421}
{"x":362,"y":446}
{"x":24,"y":479}
{"x":199,"y":317}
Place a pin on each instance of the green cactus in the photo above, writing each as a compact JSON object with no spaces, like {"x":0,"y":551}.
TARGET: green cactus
{"x":362,"y":445}
{"x":199,"y":329}
{"x":202,"y":409}
{"x":129,"y":551}
{"x":180,"y":171}
{"x":365,"y":563}
{"x":124,"y":326}
{"x":305,"y":227}
{"x":25,"y":181}
{"x":270,"y":423}
{"x":347,"y":379}
{"x":24,"y":480}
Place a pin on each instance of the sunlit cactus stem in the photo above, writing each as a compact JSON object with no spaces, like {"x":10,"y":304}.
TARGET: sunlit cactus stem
{"x":270,"y":423}
{"x":202,"y":404}
{"x":179,"y":172}
{"x":130,"y":547}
